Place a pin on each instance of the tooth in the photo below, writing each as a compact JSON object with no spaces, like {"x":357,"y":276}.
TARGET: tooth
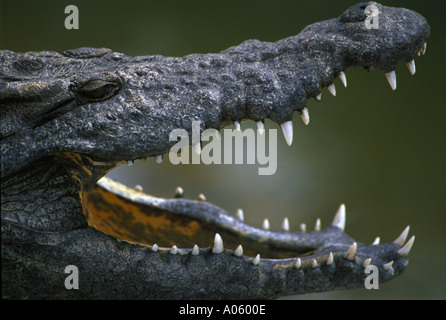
{"x":330,"y":259}
{"x":287,"y":129}
{"x":173,"y":250}
{"x":286,"y":224}
{"x":411,"y":66}
{"x":155,"y":248}
{"x":314,"y":263}
{"x":376,"y":241}
{"x":201,"y":197}
{"x":197,"y":148}
{"x":179,"y":192}
{"x":318,"y":97}
{"x":404,"y":251}
{"x":218,"y":244}
{"x":391,"y":78}
{"x":265,"y":224}
{"x":256,"y":260}
{"x":339,"y":219}
{"x":303,"y":227}
{"x":298,"y":263}
{"x":237,"y":125}
{"x":343,"y":78}
{"x":423,"y":49}
{"x":138,"y":188}
{"x":305,"y":116}
{"x":367,"y":262}
{"x":195,"y":251}
{"x":332,"y":89}
{"x":351,"y":252}
{"x":130,"y":163}
{"x":317,"y":226}
{"x":159,"y":159}
{"x":388,"y":266}
{"x":239,"y":251}
{"x":240,"y":215}
{"x":261,"y":127}
{"x":402,"y":237}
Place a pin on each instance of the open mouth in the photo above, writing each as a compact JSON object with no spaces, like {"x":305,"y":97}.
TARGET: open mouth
{"x":184,"y":227}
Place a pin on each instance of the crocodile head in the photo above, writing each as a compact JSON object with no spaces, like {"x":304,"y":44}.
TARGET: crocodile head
{"x":69,"y":118}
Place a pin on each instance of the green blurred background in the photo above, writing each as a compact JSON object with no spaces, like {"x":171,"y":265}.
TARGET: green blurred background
{"x":380,"y":152}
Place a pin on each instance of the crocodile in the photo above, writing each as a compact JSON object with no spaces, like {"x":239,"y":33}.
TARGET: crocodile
{"x":67,"y":119}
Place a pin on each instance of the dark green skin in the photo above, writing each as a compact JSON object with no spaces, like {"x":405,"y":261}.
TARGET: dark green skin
{"x":109,"y":108}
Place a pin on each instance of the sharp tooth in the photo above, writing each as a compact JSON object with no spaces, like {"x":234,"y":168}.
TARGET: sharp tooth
{"x":332,"y":89}
{"x":159,"y":158}
{"x":261,"y":127}
{"x":402,"y":237}
{"x":237,"y":125}
{"x":314,"y":264}
{"x":173,"y":250}
{"x":303,"y":227}
{"x":404,"y":251}
{"x":179,"y":192}
{"x":351,"y":252}
{"x":423,"y":49}
{"x":391,"y":78}
{"x":265,"y":224}
{"x":286,"y":224}
{"x":317,"y":226}
{"x":195,"y":251}
{"x":155,"y":248}
{"x":305,"y":116}
{"x":376,"y":241}
{"x":201,"y":197}
{"x":318,"y":97}
{"x":388,"y":266}
{"x":339,"y":219}
{"x":239,"y":251}
{"x":240,"y":215}
{"x":218,"y":244}
{"x":411,"y":66}
{"x":298,"y":263}
{"x":130,"y":163}
{"x":366,"y":262}
{"x":343,"y":78}
{"x":256,"y":260}
{"x":287,"y":129}
{"x":330,"y":259}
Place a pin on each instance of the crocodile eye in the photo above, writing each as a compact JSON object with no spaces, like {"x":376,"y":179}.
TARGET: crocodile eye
{"x":99,"y":89}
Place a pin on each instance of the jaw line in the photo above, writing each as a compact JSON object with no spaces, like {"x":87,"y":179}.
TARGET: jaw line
{"x":323,"y":252}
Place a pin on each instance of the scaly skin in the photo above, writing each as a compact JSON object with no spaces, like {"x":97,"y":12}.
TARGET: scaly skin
{"x":67,"y":119}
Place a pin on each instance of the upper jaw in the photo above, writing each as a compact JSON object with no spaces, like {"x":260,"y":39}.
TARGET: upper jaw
{"x":230,"y":93}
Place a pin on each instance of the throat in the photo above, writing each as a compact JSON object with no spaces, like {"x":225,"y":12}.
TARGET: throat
{"x":46,"y":194}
